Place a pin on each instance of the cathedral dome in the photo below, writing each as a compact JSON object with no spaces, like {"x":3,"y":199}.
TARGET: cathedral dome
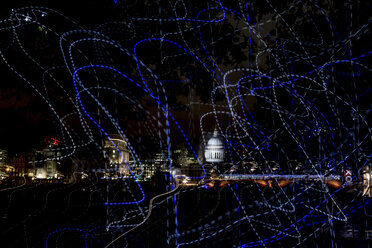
{"x":215,"y":142}
{"x":214,"y":151}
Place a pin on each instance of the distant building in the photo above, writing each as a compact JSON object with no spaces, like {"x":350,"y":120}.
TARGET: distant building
{"x":186,"y":158}
{"x":44,"y":163}
{"x":5,"y":168}
{"x":3,"y":157}
{"x":214,"y":150}
{"x":148,"y":168}
{"x":49,"y":164}
{"x":145,"y":170}
{"x":116,"y":151}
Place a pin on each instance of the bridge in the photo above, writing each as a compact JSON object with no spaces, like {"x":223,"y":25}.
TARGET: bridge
{"x":239,"y":177}
{"x":276,"y":179}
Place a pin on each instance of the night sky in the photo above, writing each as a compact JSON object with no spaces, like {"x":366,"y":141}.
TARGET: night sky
{"x":25,"y":120}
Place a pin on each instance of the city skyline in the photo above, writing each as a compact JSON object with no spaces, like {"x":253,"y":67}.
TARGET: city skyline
{"x":185,"y":124}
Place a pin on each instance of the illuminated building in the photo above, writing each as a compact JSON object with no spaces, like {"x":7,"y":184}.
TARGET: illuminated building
{"x":5,"y":168}
{"x":3,"y":157}
{"x":214,"y":151}
{"x":147,"y":169}
{"x":5,"y":171}
{"x":185,"y":158}
{"x":48,"y":170}
{"x":45,"y":162}
{"x":116,"y":151}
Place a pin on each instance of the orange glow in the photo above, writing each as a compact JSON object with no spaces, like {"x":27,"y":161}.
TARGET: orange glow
{"x":261,"y":182}
{"x":334,"y":184}
{"x":223,"y":183}
{"x":283,"y":183}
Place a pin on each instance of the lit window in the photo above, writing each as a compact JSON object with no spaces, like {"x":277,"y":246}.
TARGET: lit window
{"x":113,"y":151}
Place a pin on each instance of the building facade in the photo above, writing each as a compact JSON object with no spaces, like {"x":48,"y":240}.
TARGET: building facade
{"x":115,"y":149}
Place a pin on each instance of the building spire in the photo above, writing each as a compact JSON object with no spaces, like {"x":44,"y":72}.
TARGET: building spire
{"x":215,"y":132}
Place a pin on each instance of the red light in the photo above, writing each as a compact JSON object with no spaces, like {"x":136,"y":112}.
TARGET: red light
{"x":55,"y":141}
